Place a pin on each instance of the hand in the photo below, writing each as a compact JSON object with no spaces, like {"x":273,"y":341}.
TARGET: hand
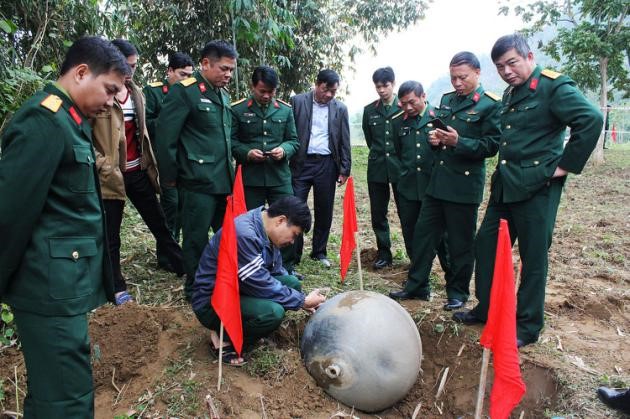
{"x":256,"y":155}
{"x":559,"y":172}
{"x":341,"y":180}
{"x":313,"y":300}
{"x":277,"y":153}
{"x":433,"y":139}
{"x":449,"y":137}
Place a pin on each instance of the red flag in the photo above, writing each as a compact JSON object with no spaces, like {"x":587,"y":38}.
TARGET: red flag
{"x":348,"y":242}
{"x":613,"y":134}
{"x":225,"y":298}
{"x":499,"y":334}
{"x":238,"y":194}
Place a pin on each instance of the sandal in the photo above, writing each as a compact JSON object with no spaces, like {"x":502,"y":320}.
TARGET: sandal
{"x":123,"y":297}
{"x":230,"y":357}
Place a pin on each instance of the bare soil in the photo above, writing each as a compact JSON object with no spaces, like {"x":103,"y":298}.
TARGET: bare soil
{"x":154,"y":361}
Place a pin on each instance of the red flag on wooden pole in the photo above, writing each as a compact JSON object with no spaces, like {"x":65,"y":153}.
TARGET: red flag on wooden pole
{"x":225,"y":297}
{"x":238,"y":194}
{"x":499,"y":334}
{"x":613,"y":134}
{"x":348,"y":242}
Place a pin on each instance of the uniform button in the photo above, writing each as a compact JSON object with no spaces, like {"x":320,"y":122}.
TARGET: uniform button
{"x":387,"y":154}
{"x":264,"y":121}
{"x":264,"y":143}
{"x":200,"y":161}
{"x":386,"y":142}
{"x":503,"y":161}
{"x":508,"y":126}
{"x":418,"y":145}
{"x":419,"y":169}
{"x":441,"y":162}
{"x":418,"y":156}
{"x":443,"y":147}
{"x":264,"y":132}
{"x":466,"y":172}
{"x":467,"y":119}
{"x":453,"y":117}
{"x":417,"y":132}
{"x":536,"y":162}
{"x":75,"y":255}
{"x":386,"y":132}
{"x":387,"y":122}
{"x":504,"y":143}
{"x":512,"y":110}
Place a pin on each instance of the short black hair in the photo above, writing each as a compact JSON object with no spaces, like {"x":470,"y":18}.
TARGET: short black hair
{"x":127,"y":48}
{"x":100,"y":55}
{"x":465,"y":58}
{"x":506,"y":43}
{"x":383,"y":75}
{"x":265,"y":74}
{"x":294,"y":209}
{"x":409,"y":87}
{"x":179,"y":60}
{"x":328,"y":76}
{"x":217,"y":49}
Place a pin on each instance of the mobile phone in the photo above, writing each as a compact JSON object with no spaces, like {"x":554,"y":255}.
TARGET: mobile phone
{"x":266,"y":153}
{"x":437,"y":123}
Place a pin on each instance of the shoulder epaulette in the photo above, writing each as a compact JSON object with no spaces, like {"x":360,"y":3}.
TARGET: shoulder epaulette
{"x":493,"y":96}
{"x":283,"y":102}
{"x":156,"y":84}
{"x":550,"y":73}
{"x":189,"y":81}
{"x":238,"y":101}
{"x":52,"y":103}
{"x":398,"y":114}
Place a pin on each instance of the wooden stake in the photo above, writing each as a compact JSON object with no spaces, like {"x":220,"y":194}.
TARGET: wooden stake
{"x":482,"y":382}
{"x":17,"y":395}
{"x":358,"y":249}
{"x":220,"y":357}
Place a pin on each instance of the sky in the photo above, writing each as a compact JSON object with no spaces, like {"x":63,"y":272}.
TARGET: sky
{"x":422,"y":52}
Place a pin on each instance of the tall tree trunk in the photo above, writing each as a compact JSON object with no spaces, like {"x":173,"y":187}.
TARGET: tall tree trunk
{"x":598,"y":154}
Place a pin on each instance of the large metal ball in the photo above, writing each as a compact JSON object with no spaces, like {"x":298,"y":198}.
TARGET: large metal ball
{"x":363,"y":349}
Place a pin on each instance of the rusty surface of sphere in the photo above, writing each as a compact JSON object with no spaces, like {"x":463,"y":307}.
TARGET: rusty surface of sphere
{"x":363,"y":349}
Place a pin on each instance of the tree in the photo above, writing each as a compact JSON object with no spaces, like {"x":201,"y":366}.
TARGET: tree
{"x":591,"y":42}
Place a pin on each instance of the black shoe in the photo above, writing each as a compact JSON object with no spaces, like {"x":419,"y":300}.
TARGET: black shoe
{"x":404,"y":295}
{"x":615,"y":399}
{"x":466,"y":317}
{"x":453,"y":304}
{"x":382,"y":263}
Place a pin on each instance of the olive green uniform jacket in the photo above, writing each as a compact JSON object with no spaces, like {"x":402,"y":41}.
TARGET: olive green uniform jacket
{"x":193,"y":137}
{"x":53,"y":260}
{"x":459,"y":172}
{"x":383,"y":160}
{"x":253,"y":128}
{"x":154,"y":94}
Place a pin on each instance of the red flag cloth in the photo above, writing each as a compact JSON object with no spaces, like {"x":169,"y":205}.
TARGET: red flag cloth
{"x":499,"y":334}
{"x":613,"y":134}
{"x":348,"y":242}
{"x":226,"y":299}
{"x":238,"y":194}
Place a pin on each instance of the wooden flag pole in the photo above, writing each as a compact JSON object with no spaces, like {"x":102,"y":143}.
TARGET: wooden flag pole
{"x":482,"y":382}
{"x":358,"y":248}
{"x":220,"y":357}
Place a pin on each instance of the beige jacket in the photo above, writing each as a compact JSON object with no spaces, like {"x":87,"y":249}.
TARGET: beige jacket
{"x":110,"y":145}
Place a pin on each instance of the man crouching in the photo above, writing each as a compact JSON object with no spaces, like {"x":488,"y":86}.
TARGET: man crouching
{"x":266,"y":289}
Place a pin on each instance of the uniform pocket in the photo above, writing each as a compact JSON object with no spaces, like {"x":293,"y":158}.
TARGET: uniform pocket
{"x":72,"y":267}
{"x":81,"y":178}
{"x":208,"y":113}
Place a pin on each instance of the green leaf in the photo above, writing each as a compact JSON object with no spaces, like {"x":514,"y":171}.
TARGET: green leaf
{"x":47,"y":69}
{"x":7,"y":317}
{"x":7,"y":26}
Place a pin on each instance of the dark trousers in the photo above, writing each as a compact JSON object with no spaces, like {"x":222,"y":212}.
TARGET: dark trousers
{"x":113,"y":219}
{"x":532,"y":223}
{"x":379,"y":205}
{"x":455,"y":224}
{"x":260,"y":316}
{"x":170,"y":206}
{"x":140,"y":192}
{"x":199,"y":213}
{"x":56,"y":351}
{"x":320,"y":173}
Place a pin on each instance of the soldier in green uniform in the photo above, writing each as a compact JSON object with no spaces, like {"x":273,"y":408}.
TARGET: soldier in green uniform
{"x":194,"y":149}
{"x":412,"y":126}
{"x":54,"y":266}
{"x":180,"y":67}
{"x":526,"y":186}
{"x":455,"y":188}
{"x":263,"y":140}
{"x":383,"y":161}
